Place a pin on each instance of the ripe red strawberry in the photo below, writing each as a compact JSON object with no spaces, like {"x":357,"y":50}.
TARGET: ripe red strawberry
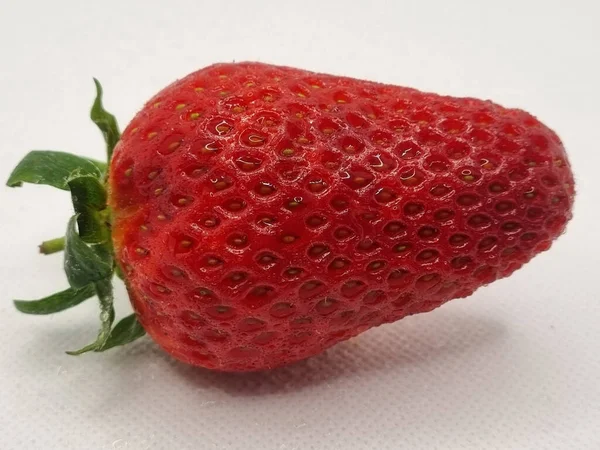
{"x":262,"y":214}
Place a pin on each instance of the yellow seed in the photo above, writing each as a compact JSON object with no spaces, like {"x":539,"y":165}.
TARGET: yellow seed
{"x":268,"y":98}
{"x":220,"y":185}
{"x":315,"y":86}
{"x":152,"y":134}
{"x":223,"y":77}
{"x":250,"y":84}
{"x":223,"y":93}
{"x":161,"y":217}
{"x":199,"y":89}
{"x":254,"y":139}
{"x":468,"y":177}
{"x":128,"y":172}
{"x":135,"y":130}
{"x":237,"y":109}
{"x":303,"y":140}
{"x":158,"y":191}
{"x":300,"y":94}
{"x":223,"y":128}
{"x":157,"y":104}
{"x":341,"y":100}
{"x":194,"y":115}
{"x":143,"y":228}
{"x":180,"y":106}
{"x":309,"y":287}
{"x":185,"y":243}
{"x":141,"y":251}
{"x":174,"y":145}
{"x":338,"y":264}
{"x":152,"y":175}
{"x":316,"y":186}
{"x":288,"y":239}
{"x":210,"y":147}
{"x":287,"y":152}
{"x":182,"y":201}
{"x":328,"y":130}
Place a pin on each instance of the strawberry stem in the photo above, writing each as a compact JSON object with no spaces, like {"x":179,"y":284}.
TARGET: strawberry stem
{"x":52,"y":246}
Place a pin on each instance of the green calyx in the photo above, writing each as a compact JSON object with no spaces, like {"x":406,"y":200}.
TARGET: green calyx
{"x":89,"y":261}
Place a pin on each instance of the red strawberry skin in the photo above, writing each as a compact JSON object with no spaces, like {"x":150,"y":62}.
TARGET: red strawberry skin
{"x":264,"y":213}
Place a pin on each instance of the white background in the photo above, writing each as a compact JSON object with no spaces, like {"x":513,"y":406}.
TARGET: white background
{"x":516,"y":366}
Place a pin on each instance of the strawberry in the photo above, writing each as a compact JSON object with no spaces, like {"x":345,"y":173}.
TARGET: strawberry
{"x":261,"y":214}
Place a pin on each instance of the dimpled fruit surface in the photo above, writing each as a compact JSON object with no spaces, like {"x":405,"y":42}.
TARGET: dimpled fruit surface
{"x":265,"y":213}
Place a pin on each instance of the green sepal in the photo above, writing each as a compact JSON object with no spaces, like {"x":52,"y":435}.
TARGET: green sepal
{"x":127,"y":330}
{"x":88,"y":253}
{"x":104,"y":290}
{"x":53,"y":169}
{"x":85,"y":264}
{"x":56,"y":302}
{"x":89,"y":200}
{"x":105,"y":121}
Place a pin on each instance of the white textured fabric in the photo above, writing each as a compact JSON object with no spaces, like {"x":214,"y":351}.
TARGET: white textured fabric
{"x":516,"y":366}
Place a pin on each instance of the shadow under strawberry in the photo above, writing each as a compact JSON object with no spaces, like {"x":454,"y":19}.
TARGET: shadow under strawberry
{"x":416,"y":342}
